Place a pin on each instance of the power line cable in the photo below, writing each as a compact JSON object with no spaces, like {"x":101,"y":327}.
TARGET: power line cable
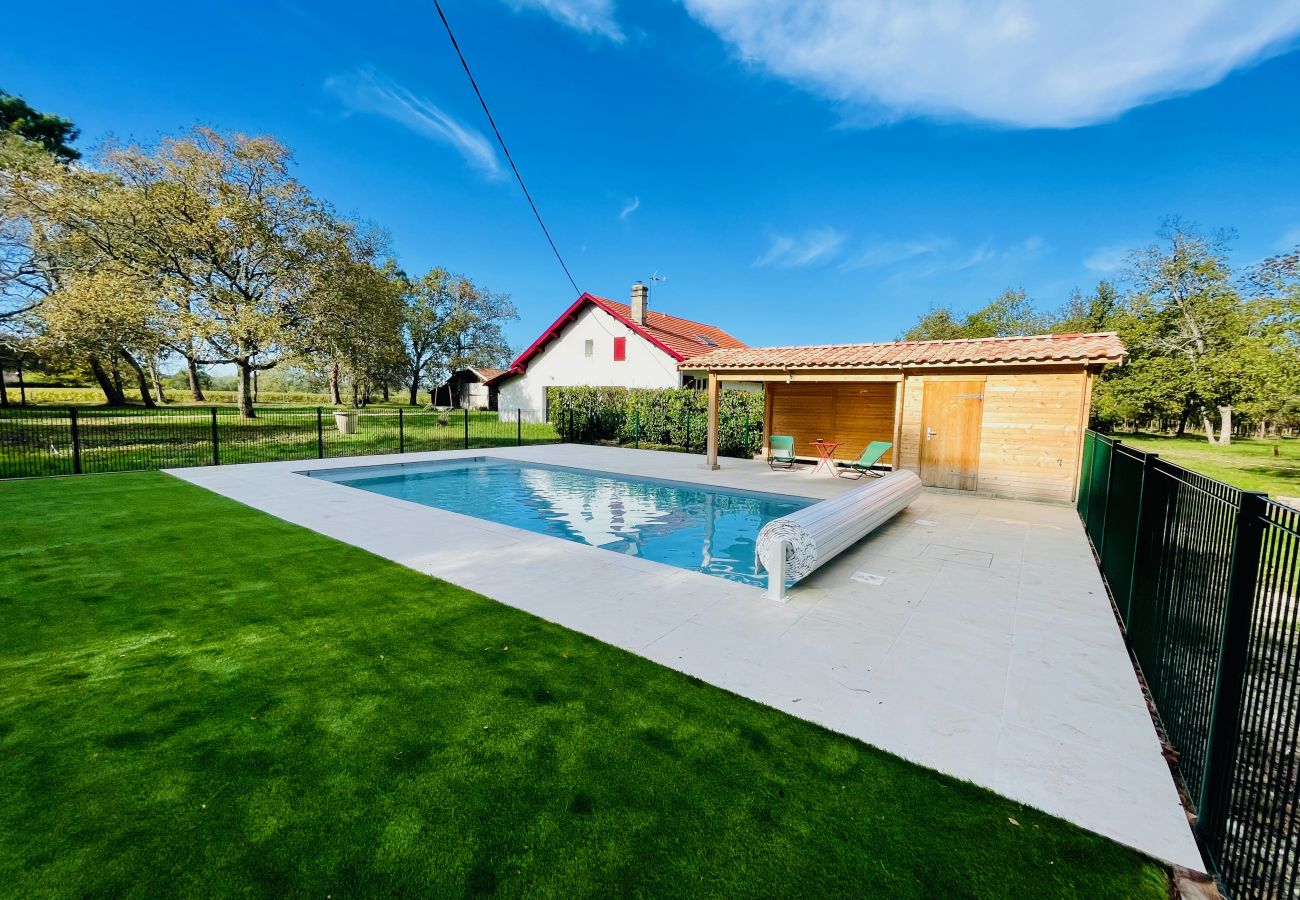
{"x":500,"y":140}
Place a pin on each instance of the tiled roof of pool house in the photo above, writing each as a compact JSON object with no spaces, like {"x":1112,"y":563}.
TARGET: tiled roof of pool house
{"x":1095,"y":348}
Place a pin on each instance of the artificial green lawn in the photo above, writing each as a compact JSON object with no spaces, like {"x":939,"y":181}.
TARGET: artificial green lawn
{"x":198,"y":699}
{"x":1247,"y":463}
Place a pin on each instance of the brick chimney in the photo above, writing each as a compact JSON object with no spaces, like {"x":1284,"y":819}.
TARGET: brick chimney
{"x":640,"y":300}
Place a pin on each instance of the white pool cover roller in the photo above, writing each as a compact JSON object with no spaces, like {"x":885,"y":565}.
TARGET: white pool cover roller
{"x":815,"y":534}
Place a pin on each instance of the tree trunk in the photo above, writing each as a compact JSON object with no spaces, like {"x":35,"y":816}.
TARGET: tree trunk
{"x":112,"y":389}
{"x":141,"y":380}
{"x":335,"y":397}
{"x":415,"y":392}
{"x":383,"y":391}
{"x":157,"y":380}
{"x":117,"y":376}
{"x":1207,"y":425}
{"x":1225,"y":425}
{"x":22,"y":387}
{"x":1182,"y":423}
{"x":4,"y":392}
{"x":192,"y":373}
{"x":245,"y":389}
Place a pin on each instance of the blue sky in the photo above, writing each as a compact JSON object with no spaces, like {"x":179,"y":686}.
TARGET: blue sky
{"x":802,"y":173}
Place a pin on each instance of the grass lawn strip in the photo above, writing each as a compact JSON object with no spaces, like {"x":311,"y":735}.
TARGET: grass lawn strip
{"x":196,"y":698}
{"x":1247,"y":463}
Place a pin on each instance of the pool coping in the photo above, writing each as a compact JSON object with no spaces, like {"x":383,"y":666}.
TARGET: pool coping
{"x":1019,"y":704}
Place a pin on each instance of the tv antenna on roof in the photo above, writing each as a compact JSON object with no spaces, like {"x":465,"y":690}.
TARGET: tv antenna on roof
{"x":655,"y":279}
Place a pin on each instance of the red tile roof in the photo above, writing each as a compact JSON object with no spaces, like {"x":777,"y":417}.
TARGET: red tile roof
{"x":677,"y":337}
{"x":1102,"y":347}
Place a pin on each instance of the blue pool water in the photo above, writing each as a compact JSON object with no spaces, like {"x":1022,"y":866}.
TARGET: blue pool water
{"x":704,"y":529}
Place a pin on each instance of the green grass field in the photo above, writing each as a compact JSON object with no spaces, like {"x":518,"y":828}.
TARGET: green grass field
{"x":1246,"y":463}
{"x":197,"y":699}
{"x":89,"y":396}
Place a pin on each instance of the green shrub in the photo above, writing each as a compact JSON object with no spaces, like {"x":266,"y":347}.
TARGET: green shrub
{"x":669,"y":418}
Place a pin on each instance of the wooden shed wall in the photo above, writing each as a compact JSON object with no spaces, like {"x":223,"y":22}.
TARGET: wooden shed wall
{"x":854,"y":413}
{"x":1029,"y":435}
{"x":1032,"y":428}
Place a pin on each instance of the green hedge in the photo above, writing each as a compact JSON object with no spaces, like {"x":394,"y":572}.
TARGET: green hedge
{"x":666,"y":418}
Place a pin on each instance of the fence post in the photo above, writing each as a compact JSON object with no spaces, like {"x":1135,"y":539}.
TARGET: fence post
{"x":76,"y":441}
{"x":467,"y":428}
{"x":320,"y":435}
{"x":519,"y":427}
{"x":216,"y":447}
{"x":1234,"y":659}
{"x":401,"y":432}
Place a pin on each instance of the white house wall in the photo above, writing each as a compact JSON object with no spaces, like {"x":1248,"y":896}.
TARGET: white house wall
{"x":564,"y":363}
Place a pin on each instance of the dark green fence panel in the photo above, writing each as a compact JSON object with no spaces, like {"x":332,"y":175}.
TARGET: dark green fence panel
{"x":1085,"y":475}
{"x":1193,"y":590}
{"x":1123,"y":506}
{"x":1259,"y":848}
{"x":1206,"y":579}
{"x":1099,"y":482}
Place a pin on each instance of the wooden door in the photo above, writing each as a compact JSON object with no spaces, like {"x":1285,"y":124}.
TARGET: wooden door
{"x":951,"y":412}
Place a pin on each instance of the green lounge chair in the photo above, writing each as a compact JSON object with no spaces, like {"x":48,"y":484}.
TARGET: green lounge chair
{"x":780,"y":452}
{"x":862,"y":465}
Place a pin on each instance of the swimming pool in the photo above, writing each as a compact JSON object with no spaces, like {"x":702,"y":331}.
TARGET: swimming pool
{"x":703,"y":529}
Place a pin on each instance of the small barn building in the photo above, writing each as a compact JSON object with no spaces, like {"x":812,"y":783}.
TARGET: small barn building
{"x":469,"y":388}
{"x":1002,"y":417}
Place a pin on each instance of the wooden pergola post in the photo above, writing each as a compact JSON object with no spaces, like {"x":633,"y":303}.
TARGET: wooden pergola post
{"x":711,"y":443}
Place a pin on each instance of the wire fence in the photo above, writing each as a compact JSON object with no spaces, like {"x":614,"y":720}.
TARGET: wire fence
{"x":1206,"y":581}
{"x":36,"y":441}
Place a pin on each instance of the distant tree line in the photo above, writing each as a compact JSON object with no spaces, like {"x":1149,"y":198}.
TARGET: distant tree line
{"x":203,"y":250}
{"x":1208,"y":348}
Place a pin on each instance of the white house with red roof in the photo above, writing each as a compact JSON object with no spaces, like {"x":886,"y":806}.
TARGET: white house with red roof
{"x":602,"y":343}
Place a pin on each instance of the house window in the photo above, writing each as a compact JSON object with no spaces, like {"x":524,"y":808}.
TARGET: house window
{"x":589,"y":347}
{"x":620,"y":349}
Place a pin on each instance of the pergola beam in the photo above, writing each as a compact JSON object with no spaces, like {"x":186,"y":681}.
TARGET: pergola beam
{"x":711,"y":441}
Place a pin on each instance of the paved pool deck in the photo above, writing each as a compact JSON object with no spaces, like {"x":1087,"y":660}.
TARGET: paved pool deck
{"x":970,"y":635}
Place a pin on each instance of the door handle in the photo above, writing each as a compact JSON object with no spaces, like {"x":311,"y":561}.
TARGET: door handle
{"x":929,"y":433}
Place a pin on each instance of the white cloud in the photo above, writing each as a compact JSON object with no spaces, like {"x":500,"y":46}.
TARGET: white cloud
{"x":594,"y":17}
{"x":1021,"y":63}
{"x":367,"y":91}
{"x":632,"y":206}
{"x":1107,"y":260}
{"x":877,"y":254}
{"x":797,"y":251}
{"x":944,"y":257}
{"x":959,"y":261}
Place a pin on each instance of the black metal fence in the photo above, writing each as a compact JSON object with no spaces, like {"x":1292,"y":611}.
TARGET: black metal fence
{"x":38,"y":441}
{"x":1206,"y":581}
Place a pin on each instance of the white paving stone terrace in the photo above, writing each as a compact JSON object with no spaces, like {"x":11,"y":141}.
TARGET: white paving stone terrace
{"x":986,"y":650}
